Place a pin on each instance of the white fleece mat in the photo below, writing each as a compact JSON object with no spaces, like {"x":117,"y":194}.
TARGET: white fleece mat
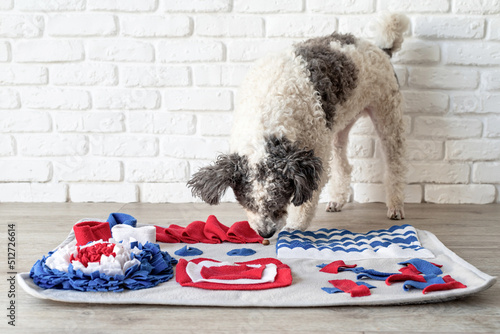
{"x":304,"y":291}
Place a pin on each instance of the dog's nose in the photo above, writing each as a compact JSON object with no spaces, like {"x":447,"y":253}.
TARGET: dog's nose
{"x":267,"y":234}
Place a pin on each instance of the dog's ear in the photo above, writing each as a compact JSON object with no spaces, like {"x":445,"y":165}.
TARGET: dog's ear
{"x":211,"y":182}
{"x":304,"y":170}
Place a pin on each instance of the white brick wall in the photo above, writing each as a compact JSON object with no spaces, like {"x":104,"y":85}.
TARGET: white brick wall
{"x":47,"y":51}
{"x":123,"y":100}
{"x":80,"y":170}
{"x":458,"y":194}
{"x":451,"y":27}
{"x":78,"y":25}
{"x":81,"y":75}
{"x":156,"y":26}
{"x":23,"y":75}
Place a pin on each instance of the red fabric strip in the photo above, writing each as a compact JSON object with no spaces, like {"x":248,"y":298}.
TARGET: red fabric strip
{"x":333,"y":268}
{"x":241,"y":232}
{"x":195,"y":232}
{"x":211,"y":231}
{"x":232,"y":272}
{"x":404,"y":277}
{"x":351,"y":287}
{"x":215,"y":230}
{"x":88,"y":231}
{"x":449,"y":284}
{"x":410,"y":269}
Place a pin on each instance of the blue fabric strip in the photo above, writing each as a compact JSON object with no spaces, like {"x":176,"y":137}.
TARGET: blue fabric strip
{"x":408,"y":285}
{"x":121,"y":218}
{"x":369,"y":286}
{"x":331,"y":290}
{"x":425,"y":267}
{"x":374,"y":274}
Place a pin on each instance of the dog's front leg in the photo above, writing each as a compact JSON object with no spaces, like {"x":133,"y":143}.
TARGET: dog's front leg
{"x":300,"y":217}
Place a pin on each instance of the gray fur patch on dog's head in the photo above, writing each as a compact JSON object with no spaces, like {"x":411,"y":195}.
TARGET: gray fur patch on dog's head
{"x":331,"y":72}
{"x":295,"y":171}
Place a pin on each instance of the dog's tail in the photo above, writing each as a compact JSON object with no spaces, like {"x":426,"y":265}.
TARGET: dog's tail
{"x":388,"y":31}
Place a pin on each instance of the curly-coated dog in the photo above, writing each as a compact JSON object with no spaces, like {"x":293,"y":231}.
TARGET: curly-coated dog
{"x":291,"y":127}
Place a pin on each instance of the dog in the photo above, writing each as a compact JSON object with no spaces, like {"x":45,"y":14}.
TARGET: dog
{"x":291,"y":126}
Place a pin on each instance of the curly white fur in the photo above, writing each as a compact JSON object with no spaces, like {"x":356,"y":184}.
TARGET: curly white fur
{"x":388,"y":30}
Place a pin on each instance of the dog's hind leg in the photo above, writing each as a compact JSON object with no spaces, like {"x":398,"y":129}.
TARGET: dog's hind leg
{"x":387,"y":118}
{"x":340,"y":172}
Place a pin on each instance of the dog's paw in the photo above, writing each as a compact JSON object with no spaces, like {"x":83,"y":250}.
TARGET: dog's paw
{"x":396,"y":214}
{"x":288,"y":229}
{"x":295,"y":226}
{"x":334,"y":207}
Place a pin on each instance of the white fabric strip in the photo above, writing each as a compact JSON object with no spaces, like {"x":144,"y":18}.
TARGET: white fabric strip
{"x":122,"y":232}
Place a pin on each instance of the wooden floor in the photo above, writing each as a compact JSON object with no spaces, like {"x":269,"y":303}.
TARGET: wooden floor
{"x":473,"y":232}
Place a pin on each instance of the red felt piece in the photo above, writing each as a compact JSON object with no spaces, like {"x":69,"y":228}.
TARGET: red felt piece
{"x":211,"y":231}
{"x":162,"y":236}
{"x":241,"y":271}
{"x":241,"y":232}
{"x":351,"y":287}
{"x":283,"y":277}
{"x":195,"y":231}
{"x":173,"y":234}
{"x":92,"y":253}
{"x":89,"y":231}
{"x":360,"y":291}
{"x":333,"y":268}
{"x":404,"y":277}
{"x":449,"y":284}
{"x":410,"y":269}
{"x":215,"y":230}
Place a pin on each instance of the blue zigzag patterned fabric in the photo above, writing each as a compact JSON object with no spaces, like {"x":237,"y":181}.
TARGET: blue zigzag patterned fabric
{"x":330,"y":244}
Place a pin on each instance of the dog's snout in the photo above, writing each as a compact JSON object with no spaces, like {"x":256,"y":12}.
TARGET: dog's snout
{"x":267,"y":233}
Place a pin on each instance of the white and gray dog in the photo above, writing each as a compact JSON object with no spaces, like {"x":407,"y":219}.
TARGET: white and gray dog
{"x":291,"y":127}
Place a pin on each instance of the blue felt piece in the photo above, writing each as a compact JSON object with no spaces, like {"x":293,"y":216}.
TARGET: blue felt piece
{"x":374,"y":274}
{"x":430,"y":280}
{"x":370,"y":276}
{"x":188,"y":251}
{"x":331,"y":290}
{"x":156,"y":267}
{"x":322,"y":265}
{"x":424,"y":267}
{"x":369,"y":286}
{"x":121,"y":218}
{"x":241,"y":252}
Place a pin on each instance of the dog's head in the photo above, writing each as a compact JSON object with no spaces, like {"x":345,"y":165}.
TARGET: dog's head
{"x":286,"y":174}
